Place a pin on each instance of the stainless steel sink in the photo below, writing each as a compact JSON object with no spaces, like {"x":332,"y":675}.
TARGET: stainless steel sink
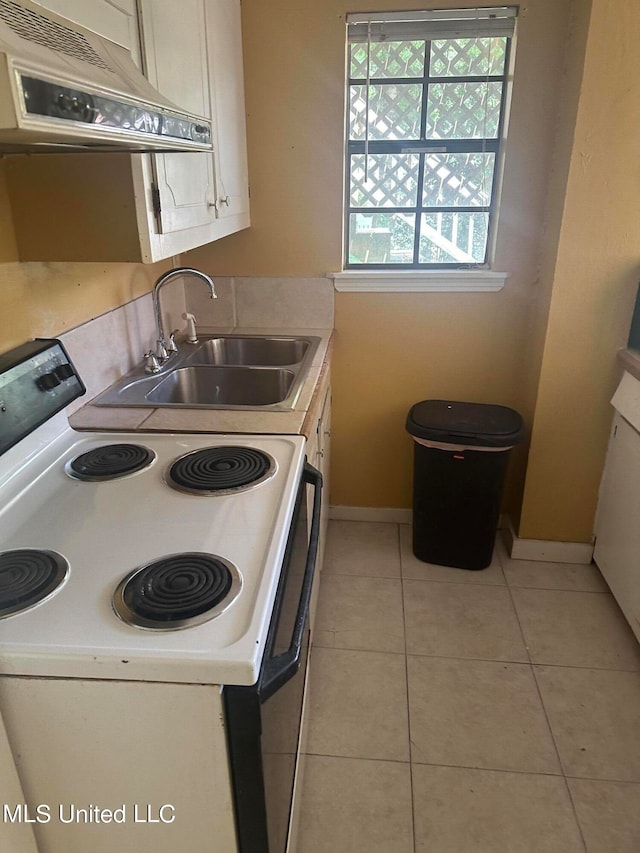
{"x":267,"y":352}
{"x":222,"y":372}
{"x":223,"y":386}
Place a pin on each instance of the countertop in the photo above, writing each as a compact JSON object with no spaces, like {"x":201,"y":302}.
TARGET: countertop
{"x":299,"y":421}
{"x":630,"y":360}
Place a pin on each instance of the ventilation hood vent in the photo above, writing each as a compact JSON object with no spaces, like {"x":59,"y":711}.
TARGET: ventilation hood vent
{"x":64,"y":88}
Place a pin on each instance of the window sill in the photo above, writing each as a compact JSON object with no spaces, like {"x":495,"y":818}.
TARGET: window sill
{"x":415,"y":281}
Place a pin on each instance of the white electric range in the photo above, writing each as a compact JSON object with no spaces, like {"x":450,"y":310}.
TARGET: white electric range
{"x":152,"y":591}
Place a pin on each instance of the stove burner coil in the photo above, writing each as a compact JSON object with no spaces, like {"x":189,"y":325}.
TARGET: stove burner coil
{"x":27,"y":577}
{"x":177,"y":591}
{"x":110,"y":461}
{"x":220,"y":470}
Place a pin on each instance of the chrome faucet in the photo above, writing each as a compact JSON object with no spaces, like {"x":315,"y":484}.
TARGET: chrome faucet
{"x":166,"y":348}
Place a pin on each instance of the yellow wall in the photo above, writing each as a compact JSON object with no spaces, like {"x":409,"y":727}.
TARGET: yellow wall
{"x":45,"y":299}
{"x":569,"y":93}
{"x":592,"y":288}
{"x":391,"y":350}
{"x":77,"y":207}
{"x":8,"y":247}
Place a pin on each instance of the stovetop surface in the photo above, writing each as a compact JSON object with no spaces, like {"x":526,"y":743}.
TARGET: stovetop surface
{"x":107,"y":529}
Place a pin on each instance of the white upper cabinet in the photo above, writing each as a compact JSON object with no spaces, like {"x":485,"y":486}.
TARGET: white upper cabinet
{"x":175,"y":53}
{"x":116,"y":20}
{"x":224,"y":37}
{"x":193,"y":55}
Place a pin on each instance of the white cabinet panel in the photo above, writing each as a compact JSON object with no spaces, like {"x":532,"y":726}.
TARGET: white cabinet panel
{"x":175,"y":50}
{"x":319,"y":455}
{"x":115,"y":20}
{"x":224,"y":35}
{"x":617,"y":548}
{"x":186,"y":191}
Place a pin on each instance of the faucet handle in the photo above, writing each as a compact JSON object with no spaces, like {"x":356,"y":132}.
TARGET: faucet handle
{"x":152,"y":364}
{"x":171,"y":345}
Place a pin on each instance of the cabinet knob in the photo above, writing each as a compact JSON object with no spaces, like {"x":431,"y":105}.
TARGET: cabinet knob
{"x":225,"y":200}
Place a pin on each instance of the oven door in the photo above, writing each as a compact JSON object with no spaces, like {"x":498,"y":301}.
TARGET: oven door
{"x":263,"y":721}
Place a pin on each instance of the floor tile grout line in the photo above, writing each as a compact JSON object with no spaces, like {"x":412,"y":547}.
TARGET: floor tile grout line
{"x":527,"y":662}
{"x":359,"y":575}
{"x":413,"y":802}
{"x":535,"y":680}
{"x":466,"y":583}
{"x":441,"y":764}
{"x":520,"y":626}
{"x":317,"y":645}
{"x":357,"y":758}
{"x":516,"y":771}
{"x":562,"y":765}
{"x":406,"y":674}
{"x":632,"y":782}
{"x":582,"y":666}
{"x":489,"y":769}
{"x":560,"y":589}
{"x":463,"y":659}
{"x":358,"y":651}
{"x":532,"y":663}
{"x":546,"y":716}
{"x":496,"y":556}
{"x":463,"y":584}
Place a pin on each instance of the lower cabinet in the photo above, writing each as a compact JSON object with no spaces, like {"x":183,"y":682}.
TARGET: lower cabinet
{"x":319,"y":455}
{"x":617,"y":530}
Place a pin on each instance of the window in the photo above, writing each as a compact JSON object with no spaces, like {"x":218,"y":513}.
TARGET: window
{"x":426,"y":115}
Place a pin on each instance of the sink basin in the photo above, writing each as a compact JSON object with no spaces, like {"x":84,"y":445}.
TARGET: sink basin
{"x":223,"y":386}
{"x":222,"y":372}
{"x":268,"y":352}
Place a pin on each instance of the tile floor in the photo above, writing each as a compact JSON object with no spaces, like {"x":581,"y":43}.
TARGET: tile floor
{"x":468,"y":712}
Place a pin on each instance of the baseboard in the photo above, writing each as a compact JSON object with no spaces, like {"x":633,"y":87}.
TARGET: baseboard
{"x":395,"y":515}
{"x":545,"y":551}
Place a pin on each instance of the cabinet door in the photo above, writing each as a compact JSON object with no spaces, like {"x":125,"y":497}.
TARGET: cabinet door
{"x":318,"y":453}
{"x":617,"y":530}
{"x":115,"y":20}
{"x":324,"y":462}
{"x":14,"y":837}
{"x":175,"y":52}
{"x":224,"y":38}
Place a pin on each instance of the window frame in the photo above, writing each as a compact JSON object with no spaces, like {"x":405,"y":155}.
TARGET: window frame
{"x":355,"y":271}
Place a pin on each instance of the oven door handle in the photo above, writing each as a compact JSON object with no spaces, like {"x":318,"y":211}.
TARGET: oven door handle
{"x":279,"y":669}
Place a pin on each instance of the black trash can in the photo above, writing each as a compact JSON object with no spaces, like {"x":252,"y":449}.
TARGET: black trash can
{"x":461,"y":452}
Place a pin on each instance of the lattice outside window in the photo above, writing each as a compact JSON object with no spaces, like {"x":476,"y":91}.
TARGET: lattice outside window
{"x":425,"y":125}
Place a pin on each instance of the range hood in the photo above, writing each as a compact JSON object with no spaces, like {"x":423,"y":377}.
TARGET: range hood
{"x":64,"y":88}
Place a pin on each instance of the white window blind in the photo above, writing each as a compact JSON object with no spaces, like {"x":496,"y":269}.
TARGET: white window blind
{"x":436,"y":24}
